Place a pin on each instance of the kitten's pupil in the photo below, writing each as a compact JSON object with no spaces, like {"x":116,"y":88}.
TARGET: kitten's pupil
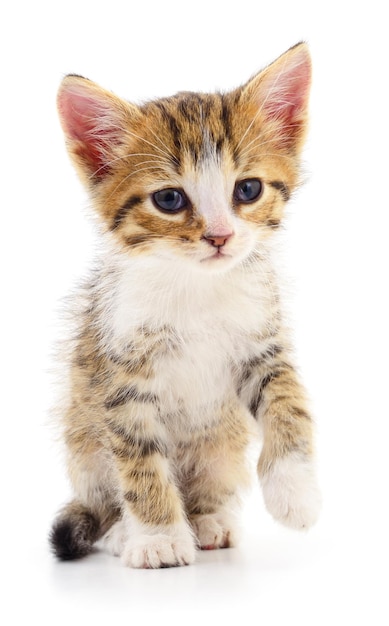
{"x":248,"y":190}
{"x":171,"y":200}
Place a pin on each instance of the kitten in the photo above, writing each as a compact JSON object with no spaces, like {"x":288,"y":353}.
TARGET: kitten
{"x":181,"y":352}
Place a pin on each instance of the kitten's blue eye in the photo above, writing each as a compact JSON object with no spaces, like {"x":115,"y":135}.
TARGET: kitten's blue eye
{"x":170,"y":200}
{"x":248,"y":190}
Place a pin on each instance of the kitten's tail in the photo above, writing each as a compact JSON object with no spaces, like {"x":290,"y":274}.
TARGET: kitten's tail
{"x":77,"y":528}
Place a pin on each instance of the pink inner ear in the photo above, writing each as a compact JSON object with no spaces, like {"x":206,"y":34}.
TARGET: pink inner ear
{"x":288,"y":88}
{"x":79,"y":114}
{"x":89,"y":123}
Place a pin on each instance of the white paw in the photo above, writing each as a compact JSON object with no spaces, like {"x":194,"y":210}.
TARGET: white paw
{"x":115,"y":538}
{"x":164,"y":549}
{"x":215,"y":531}
{"x":291,"y":493}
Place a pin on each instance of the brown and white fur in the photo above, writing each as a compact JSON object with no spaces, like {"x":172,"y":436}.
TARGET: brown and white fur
{"x":180,"y":351}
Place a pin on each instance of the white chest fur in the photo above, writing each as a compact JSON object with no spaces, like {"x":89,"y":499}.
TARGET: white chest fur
{"x":214,"y":318}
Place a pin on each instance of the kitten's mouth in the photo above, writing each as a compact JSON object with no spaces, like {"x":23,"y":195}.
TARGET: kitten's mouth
{"x":217,"y":256}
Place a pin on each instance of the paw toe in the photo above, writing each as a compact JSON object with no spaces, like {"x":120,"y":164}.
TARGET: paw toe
{"x":158,"y":551}
{"x":213,"y":533}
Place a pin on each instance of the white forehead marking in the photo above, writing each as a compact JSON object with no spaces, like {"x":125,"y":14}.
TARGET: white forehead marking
{"x":210,"y":186}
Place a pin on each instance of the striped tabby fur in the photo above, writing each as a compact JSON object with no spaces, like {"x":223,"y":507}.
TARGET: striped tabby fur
{"x":181,"y":352}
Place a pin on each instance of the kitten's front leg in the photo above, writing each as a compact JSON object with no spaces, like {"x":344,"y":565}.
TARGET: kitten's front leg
{"x":153,"y":532}
{"x":286,"y":465}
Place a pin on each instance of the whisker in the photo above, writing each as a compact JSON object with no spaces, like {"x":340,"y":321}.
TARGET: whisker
{"x":158,"y":159}
{"x":257,"y":138}
{"x":248,"y":128}
{"x":249,"y":148}
{"x":151,"y":144}
{"x":270,"y":154}
{"x":257,"y":265}
{"x":142,"y":169}
{"x":164,"y":145}
{"x":255,"y":143}
{"x":157,"y":163}
{"x":266,"y":154}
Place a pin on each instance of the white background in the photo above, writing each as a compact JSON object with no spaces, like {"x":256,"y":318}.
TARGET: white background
{"x":335,"y":252}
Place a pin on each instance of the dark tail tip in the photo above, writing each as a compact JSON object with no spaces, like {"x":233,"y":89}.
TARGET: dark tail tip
{"x":73,"y":534}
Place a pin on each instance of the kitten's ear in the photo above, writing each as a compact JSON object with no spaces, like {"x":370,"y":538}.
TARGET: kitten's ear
{"x":94,"y":122}
{"x":281,"y":93}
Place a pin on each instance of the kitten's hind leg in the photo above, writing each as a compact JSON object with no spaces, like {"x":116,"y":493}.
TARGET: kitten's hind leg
{"x":219,"y":471}
{"x":115,"y":539}
{"x":94,"y":508}
{"x":216,"y":530}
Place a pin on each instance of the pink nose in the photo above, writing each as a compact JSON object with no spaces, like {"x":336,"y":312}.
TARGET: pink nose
{"x":217,"y":240}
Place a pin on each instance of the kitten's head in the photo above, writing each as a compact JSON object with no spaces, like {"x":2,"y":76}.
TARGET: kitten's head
{"x":197,"y":177}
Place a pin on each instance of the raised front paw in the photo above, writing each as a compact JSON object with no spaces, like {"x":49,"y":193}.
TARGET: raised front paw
{"x":154,"y":551}
{"x":291,"y":493}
